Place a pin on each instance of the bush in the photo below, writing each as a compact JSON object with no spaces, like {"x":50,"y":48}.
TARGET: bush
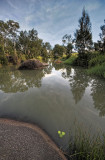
{"x":84,"y":58}
{"x":40,"y":58}
{"x":98,"y":70}
{"x":3,"y":60}
{"x":22,"y":57}
{"x":98,"y":60}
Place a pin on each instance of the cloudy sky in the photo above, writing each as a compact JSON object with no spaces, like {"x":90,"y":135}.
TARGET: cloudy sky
{"x":53,"y":18}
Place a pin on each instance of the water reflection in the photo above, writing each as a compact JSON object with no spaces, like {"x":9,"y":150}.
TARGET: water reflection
{"x":12,"y":81}
{"x":58,"y":66}
{"x":78,"y":81}
{"x":56,"y":97}
{"x":98,"y":95}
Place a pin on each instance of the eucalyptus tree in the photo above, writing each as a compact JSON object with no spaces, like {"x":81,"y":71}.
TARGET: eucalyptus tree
{"x":68,"y":43}
{"x":48,"y":46}
{"x":58,"y":50}
{"x":8,"y":30}
{"x":23,"y":41}
{"x":13,"y":28}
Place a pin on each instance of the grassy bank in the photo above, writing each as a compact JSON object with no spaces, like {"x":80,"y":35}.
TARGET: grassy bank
{"x":97,"y":66}
{"x":98,"y":70}
{"x":94,"y":61}
{"x":71,"y":60}
{"x":82,"y":147}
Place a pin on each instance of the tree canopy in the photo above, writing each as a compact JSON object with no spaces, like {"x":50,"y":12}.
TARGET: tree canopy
{"x":83,"y":35}
{"x":58,"y":50}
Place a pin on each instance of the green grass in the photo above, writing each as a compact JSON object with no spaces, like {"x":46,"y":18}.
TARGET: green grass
{"x":98,"y":70}
{"x":86,"y":147}
{"x":71,"y":60}
{"x":98,"y":60}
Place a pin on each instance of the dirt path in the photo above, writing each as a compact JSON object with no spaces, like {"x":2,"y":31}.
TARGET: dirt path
{"x":23,"y":141}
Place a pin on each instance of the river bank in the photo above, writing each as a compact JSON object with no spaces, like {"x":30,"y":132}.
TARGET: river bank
{"x":94,"y":62}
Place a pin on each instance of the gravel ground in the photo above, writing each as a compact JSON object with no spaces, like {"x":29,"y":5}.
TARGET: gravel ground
{"x":23,"y":141}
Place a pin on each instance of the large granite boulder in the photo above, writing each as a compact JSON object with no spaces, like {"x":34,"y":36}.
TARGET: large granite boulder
{"x":32,"y":64}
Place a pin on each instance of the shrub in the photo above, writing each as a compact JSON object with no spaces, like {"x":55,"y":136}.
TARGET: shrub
{"x":84,"y":58}
{"x":22,"y":57}
{"x":40,"y":58}
{"x":97,"y":60}
{"x":98,"y":70}
{"x":3,"y":60}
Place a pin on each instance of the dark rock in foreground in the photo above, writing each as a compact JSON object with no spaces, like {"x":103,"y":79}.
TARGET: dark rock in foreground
{"x":32,"y":64}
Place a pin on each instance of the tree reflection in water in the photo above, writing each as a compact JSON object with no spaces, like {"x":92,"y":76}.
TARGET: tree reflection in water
{"x":98,"y":95}
{"x":78,"y":82}
{"x":12,"y":81}
{"x":19,"y":81}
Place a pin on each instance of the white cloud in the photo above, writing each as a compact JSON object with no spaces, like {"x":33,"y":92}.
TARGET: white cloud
{"x":29,"y":18}
{"x":51,"y":18}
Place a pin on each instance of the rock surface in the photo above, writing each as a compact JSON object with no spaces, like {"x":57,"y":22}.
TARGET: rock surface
{"x":24,"y":141}
{"x":32,"y":64}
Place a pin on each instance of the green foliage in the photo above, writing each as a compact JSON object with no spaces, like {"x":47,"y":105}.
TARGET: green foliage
{"x":44,"y":52}
{"x":69,"y":49}
{"x":84,"y":58}
{"x":47,"y":45}
{"x":84,"y":147}
{"x":98,"y":46}
{"x":97,"y":65}
{"x":3,"y":58}
{"x":39,"y":58}
{"x":98,"y":70}
{"x":24,"y":43}
{"x":98,"y":60}
{"x":71,"y":60}
{"x":102,"y":36}
{"x":58,"y":50}
{"x":22,"y":57}
{"x":83,"y":35}
{"x":68,"y":44}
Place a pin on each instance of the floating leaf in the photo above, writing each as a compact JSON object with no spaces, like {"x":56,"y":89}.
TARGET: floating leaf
{"x":60,"y":136}
{"x":59,"y":132}
{"x":63,"y":133}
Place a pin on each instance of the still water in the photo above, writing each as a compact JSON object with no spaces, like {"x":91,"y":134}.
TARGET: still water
{"x":55,"y":98}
